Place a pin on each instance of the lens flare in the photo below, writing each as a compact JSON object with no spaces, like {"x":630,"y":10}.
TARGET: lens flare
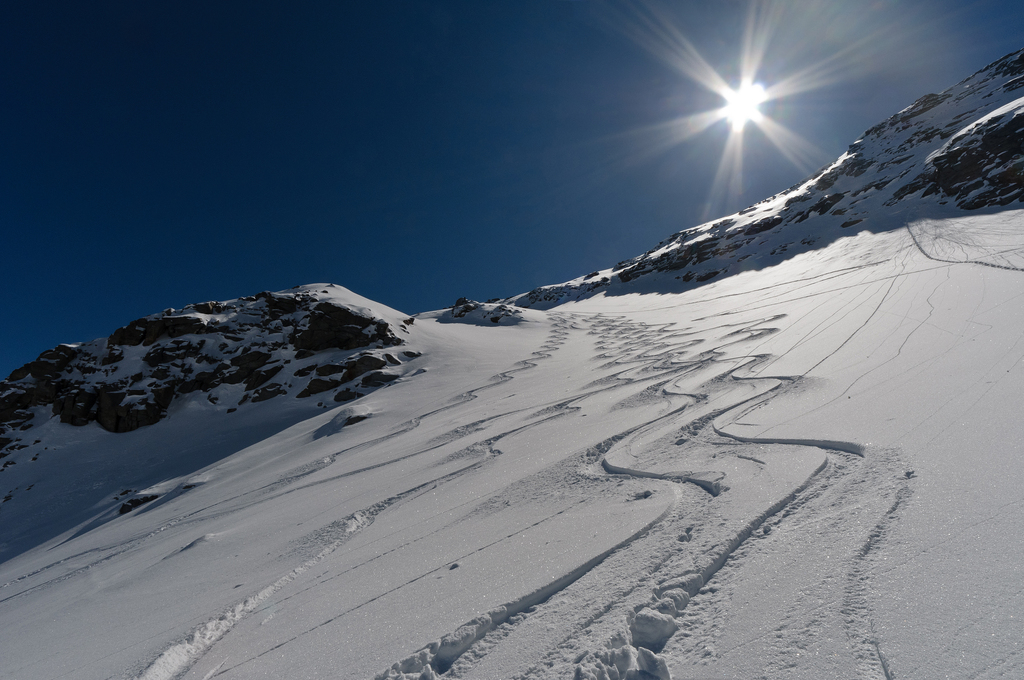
{"x":651,"y":27}
{"x":742,"y":105}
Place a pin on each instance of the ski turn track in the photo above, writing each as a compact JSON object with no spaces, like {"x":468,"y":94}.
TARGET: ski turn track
{"x":663,"y":573}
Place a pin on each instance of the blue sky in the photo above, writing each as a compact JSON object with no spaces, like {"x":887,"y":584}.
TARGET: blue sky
{"x":157,"y":154}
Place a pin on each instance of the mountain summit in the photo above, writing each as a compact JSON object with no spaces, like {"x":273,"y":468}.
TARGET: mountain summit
{"x":784,"y":444}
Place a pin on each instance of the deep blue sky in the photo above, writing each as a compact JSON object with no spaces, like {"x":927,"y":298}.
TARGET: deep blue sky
{"x":154,"y":154}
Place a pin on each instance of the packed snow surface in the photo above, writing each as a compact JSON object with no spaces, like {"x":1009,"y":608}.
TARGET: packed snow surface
{"x":808,"y":471}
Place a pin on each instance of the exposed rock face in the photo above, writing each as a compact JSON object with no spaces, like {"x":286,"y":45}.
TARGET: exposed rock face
{"x":962,"y":148}
{"x":300,"y":342}
{"x":330,"y":327}
{"x":481,"y":313}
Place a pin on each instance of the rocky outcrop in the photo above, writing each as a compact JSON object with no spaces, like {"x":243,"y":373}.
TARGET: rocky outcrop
{"x":983,"y":165}
{"x":301,"y":342}
{"x":487,"y":313}
{"x":328,"y":326}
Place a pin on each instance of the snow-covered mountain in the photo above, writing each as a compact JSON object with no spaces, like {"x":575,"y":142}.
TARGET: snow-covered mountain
{"x":786,"y":444}
{"x":961,"y":147}
{"x":129,"y":379}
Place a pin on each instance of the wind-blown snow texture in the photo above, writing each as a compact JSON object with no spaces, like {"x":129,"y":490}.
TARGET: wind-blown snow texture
{"x":809,"y":470}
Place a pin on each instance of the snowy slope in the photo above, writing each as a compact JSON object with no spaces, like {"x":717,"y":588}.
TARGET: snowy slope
{"x":267,"y":361}
{"x":807,"y":470}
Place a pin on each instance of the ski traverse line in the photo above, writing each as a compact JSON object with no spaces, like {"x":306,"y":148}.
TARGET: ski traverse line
{"x":410,"y":664}
{"x":302,"y":471}
{"x":442,"y":567}
{"x":178,"y":658}
{"x":202,"y":638}
{"x":442,"y":654}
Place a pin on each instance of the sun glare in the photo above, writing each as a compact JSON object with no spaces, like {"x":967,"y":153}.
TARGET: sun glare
{"x":651,"y":26}
{"x":742,"y":105}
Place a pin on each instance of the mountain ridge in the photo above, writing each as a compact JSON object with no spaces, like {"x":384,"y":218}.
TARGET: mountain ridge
{"x":318,"y":337}
{"x":935,"y":134}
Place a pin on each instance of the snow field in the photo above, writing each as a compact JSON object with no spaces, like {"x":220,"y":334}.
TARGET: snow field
{"x":809,"y":471}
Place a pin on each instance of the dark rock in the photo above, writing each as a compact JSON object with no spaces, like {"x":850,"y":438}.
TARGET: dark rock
{"x":176,"y":351}
{"x":317,"y":385}
{"x":133,"y":503}
{"x":177,"y":326}
{"x":162,"y":396}
{"x":763,"y":225}
{"x":983,"y":168}
{"x":113,"y":355}
{"x":12,"y":402}
{"x":278,"y":306}
{"x":346,"y":395}
{"x":822,"y":206}
{"x":253,"y":359}
{"x":80,"y":384}
{"x":856,"y":166}
{"x":114,"y":415}
{"x":246,"y":364}
{"x":922,"y":105}
{"x":330,"y":369}
{"x":464,"y":306}
{"x":76,"y":407}
{"x":204,"y":380}
{"x":207,"y":307}
{"x":49,"y":365}
{"x":331,"y":327}
{"x":130,"y":335}
{"x":361,"y":365}
{"x":378,"y":379}
{"x":260,"y":377}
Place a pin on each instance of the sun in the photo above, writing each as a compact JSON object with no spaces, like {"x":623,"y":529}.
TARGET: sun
{"x":742,"y":105}
{"x":651,"y":26}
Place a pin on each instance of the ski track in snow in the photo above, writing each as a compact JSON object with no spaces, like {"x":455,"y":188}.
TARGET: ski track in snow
{"x":264,"y":493}
{"x":840,"y":484}
{"x":648,"y":356}
{"x":636,"y":352}
{"x":841,"y":598}
{"x":175,"y":661}
{"x":694,"y":384}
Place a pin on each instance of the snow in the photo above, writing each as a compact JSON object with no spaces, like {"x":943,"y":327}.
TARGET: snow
{"x":803,"y":470}
{"x":538,"y":500}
